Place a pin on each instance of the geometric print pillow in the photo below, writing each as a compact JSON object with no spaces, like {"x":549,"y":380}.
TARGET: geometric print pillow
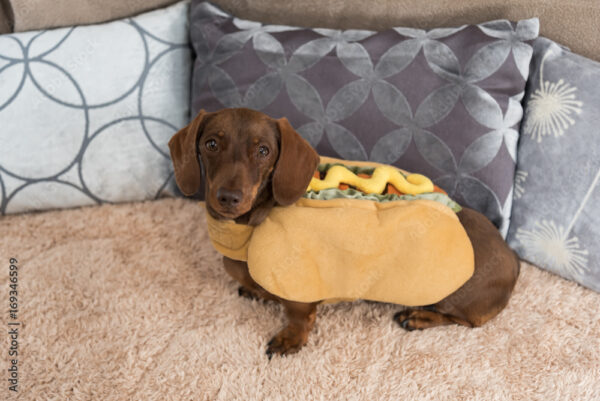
{"x":444,"y":102}
{"x":556,"y":208}
{"x":86,"y":112}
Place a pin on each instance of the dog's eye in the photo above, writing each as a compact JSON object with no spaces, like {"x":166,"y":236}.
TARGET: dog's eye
{"x":212,"y":145}
{"x":263,"y":150}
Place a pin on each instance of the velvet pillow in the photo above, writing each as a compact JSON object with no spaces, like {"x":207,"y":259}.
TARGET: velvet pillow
{"x":556,"y":208}
{"x":444,"y":102}
{"x":86,"y":112}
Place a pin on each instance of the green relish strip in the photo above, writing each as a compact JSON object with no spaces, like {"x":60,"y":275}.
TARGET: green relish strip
{"x":336,"y":193}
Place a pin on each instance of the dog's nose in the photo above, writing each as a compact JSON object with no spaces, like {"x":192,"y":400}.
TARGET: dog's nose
{"x":229,"y":197}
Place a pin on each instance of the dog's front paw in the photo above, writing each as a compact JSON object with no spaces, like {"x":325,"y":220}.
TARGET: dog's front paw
{"x":287,"y":341}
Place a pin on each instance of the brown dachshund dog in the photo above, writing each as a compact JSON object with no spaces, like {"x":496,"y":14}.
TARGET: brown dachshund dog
{"x":253,"y":162}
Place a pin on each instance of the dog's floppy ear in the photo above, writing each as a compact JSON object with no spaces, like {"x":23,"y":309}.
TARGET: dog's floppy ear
{"x":184,"y":154}
{"x":295,"y":167}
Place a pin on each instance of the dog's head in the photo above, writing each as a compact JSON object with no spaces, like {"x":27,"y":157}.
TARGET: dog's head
{"x":248,"y":158}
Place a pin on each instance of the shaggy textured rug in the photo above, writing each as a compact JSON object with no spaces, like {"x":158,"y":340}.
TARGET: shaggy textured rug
{"x":131,"y":302}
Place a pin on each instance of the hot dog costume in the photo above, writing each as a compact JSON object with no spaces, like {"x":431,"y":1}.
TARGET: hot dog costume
{"x":338,"y":243}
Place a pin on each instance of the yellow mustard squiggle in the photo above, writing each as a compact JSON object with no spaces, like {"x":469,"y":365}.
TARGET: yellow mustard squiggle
{"x":413,"y":184}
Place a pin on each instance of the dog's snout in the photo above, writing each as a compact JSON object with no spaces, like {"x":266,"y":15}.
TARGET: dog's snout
{"x":229,"y":197}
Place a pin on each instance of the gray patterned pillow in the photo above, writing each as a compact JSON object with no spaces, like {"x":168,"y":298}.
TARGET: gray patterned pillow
{"x":556,"y":213}
{"x":445,"y":103}
{"x":86,"y":112}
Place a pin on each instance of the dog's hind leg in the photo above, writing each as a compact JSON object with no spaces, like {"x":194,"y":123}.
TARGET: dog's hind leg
{"x":485,"y":294}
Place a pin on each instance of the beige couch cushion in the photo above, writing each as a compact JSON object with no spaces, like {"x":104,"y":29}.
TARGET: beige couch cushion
{"x":573,"y":23}
{"x":42,"y":14}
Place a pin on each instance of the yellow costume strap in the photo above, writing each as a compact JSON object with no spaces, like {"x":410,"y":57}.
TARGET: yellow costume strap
{"x":413,"y":184}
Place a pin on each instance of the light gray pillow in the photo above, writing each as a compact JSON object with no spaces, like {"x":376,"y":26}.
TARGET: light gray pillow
{"x":86,"y":112}
{"x":555,"y":220}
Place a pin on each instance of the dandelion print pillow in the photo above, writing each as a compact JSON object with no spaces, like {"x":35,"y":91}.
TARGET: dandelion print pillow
{"x":445,"y":103}
{"x":555,"y":221}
